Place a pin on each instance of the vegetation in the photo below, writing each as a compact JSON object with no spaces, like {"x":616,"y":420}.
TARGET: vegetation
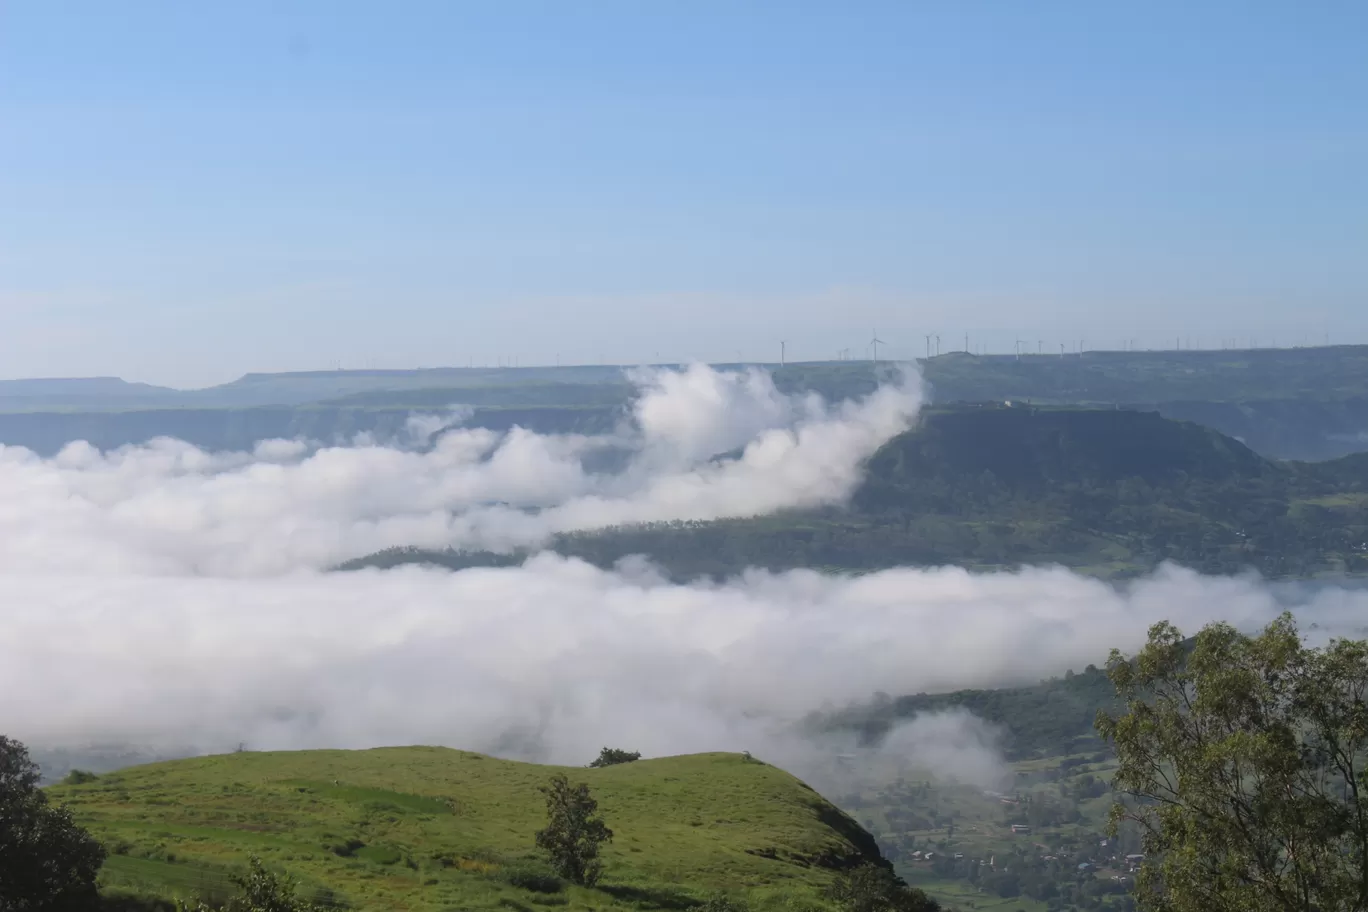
{"x":1245,"y":760}
{"x":875,"y":888}
{"x":47,"y":862}
{"x":260,"y":890}
{"x":611,"y":756}
{"x":1053,"y":718}
{"x":431,"y":828}
{"x":573,"y":834}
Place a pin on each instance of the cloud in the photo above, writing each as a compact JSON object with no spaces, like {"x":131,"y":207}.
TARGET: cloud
{"x":170,"y":508}
{"x":173,"y":599}
{"x":554,"y":659}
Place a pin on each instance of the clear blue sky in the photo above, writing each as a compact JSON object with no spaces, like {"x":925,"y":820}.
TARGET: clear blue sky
{"x":189,"y":191}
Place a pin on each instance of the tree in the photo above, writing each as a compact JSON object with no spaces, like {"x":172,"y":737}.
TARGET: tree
{"x":875,"y":888}
{"x":611,"y":756}
{"x":47,"y":862}
{"x":1244,"y":762}
{"x":573,"y":834}
{"x":259,"y":891}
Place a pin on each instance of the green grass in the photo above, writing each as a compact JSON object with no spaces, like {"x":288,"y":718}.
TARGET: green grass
{"x":959,"y":895}
{"x":431,"y":828}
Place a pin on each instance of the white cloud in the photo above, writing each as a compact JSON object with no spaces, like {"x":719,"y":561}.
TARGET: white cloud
{"x":173,"y":599}
{"x":170,"y":508}
{"x":554,"y":659}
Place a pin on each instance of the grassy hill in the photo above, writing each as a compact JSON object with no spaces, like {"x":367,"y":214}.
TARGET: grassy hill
{"x":421,"y":828}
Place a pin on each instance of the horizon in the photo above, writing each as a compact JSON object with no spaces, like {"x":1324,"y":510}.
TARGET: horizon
{"x":1045,"y":354}
{"x":257,"y":188}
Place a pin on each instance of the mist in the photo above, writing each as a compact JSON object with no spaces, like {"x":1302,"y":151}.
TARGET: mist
{"x":168,"y":508}
{"x":178,"y":601}
{"x":554,"y":659}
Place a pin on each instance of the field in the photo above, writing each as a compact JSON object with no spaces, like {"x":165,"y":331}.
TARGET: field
{"x":431,"y":828}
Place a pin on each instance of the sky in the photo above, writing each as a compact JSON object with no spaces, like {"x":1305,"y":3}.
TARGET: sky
{"x":189,"y":192}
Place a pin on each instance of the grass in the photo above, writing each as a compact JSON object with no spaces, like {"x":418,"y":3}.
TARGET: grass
{"x":957,"y":894}
{"x":423,"y":828}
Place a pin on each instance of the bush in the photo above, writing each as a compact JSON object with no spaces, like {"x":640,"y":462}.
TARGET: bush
{"x":536,"y":878}
{"x":872,"y":888}
{"x":79,"y":777}
{"x":611,"y":756}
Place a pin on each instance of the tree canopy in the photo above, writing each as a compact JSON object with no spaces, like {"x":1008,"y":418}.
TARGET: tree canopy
{"x":612,"y":756}
{"x":1242,"y":762}
{"x":47,"y":862}
{"x":874,"y":888}
{"x":573,"y":834}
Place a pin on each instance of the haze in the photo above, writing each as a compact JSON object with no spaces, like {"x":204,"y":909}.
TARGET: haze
{"x":191,"y":194}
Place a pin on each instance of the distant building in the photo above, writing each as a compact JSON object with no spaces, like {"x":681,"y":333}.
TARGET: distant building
{"x":1020,"y":828}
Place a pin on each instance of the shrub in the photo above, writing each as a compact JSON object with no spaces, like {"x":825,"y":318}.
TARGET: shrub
{"x":721,"y":902}
{"x":534,"y":877}
{"x":79,"y":777}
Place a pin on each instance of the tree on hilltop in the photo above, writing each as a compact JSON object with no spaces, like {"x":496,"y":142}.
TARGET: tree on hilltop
{"x":1245,"y":761}
{"x":573,"y":834}
{"x":47,"y":862}
{"x":611,"y":756}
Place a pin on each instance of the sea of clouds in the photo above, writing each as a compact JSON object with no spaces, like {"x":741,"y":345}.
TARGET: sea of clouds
{"x":180,"y":601}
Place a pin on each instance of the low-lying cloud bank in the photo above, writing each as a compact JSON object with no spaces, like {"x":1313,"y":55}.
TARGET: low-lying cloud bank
{"x":174,"y":600}
{"x":703,"y":444}
{"x":552,"y":660}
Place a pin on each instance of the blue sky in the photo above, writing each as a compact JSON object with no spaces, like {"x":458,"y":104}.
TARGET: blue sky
{"x":192,"y":191}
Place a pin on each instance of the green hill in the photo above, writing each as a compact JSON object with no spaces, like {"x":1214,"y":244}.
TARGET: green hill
{"x":1036,"y":448}
{"x":1051,"y":718}
{"x":432,"y":828}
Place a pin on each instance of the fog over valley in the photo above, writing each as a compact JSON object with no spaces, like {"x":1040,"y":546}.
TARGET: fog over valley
{"x":181,"y":601}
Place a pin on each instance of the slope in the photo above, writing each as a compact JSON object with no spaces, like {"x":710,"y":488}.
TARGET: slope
{"x":433,"y":828}
{"x":1111,"y":492}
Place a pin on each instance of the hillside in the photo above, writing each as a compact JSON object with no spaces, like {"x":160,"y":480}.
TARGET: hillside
{"x":432,"y":828}
{"x":1137,"y":377}
{"x":1106,"y":491}
{"x":1029,"y":448}
{"x":1305,"y":403}
{"x":1052,"y":718}
{"x":240,"y":429}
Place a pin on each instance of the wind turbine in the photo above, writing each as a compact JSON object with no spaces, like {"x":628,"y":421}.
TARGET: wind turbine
{"x":938,"y":346}
{"x":928,"y":344}
{"x":876,"y":342}
{"x":783,"y":352}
